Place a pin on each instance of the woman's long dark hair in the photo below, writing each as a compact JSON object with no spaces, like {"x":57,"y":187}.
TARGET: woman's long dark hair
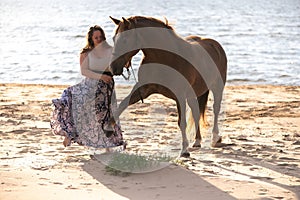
{"x":90,"y":44}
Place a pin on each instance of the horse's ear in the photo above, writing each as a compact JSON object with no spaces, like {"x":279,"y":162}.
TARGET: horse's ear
{"x":126,"y":22}
{"x":116,"y":21}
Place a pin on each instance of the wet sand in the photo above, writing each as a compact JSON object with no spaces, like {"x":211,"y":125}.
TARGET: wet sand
{"x":260,"y":125}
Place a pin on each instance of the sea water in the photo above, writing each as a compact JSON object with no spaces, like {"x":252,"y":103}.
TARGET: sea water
{"x":40,"y":41}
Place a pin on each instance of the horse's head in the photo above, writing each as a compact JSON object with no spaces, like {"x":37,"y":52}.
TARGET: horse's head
{"x":125,"y":45}
{"x":134,"y":34}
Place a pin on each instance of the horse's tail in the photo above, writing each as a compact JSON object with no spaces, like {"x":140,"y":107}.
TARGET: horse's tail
{"x":202,"y":100}
{"x":203,"y":105}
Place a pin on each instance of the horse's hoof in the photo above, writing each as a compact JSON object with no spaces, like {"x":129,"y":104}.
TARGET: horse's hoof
{"x":67,"y":142}
{"x":108,"y":133}
{"x":197,"y":145}
{"x":124,"y":145}
{"x":185,"y":154}
{"x":92,"y":157}
{"x":217,"y":142}
{"x":108,"y":130}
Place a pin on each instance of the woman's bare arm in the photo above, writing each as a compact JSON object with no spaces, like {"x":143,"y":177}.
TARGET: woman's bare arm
{"x":85,"y":71}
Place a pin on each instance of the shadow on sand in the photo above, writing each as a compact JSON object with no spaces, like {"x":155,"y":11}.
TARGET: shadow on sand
{"x":172,"y":182}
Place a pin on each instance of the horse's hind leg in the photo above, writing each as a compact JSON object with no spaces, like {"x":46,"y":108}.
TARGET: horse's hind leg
{"x":181,"y":107}
{"x":216,"y":138}
{"x":194,"y":105}
{"x":198,"y":110}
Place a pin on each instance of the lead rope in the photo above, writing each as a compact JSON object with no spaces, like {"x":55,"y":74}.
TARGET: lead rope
{"x":134,"y":77}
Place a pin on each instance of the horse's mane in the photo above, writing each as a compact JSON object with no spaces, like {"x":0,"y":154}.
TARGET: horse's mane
{"x":150,"y":21}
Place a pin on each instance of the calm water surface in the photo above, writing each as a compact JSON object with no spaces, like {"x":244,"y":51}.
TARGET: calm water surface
{"x":40,"y":40}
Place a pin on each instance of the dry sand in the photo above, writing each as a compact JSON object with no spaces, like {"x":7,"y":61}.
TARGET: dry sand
{"x":260,"y":125}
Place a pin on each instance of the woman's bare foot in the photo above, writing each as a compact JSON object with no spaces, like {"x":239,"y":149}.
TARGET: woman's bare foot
{"x":67,"y":142}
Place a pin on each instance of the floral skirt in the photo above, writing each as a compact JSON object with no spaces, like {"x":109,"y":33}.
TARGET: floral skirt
{"x":83,"y":111}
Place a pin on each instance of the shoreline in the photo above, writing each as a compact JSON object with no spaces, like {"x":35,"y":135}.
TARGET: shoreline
{"x":260,"y":124}
{"x":228,"y":84}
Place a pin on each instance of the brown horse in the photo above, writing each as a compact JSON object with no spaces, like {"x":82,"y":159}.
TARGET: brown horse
{"x":181,"y":69}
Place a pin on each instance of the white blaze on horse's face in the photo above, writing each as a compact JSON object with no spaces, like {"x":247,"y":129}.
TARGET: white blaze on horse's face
{"x":117,"y":64}
{"x":125,"y":47}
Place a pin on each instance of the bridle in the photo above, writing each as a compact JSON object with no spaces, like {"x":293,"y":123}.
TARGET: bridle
{"x":127,"y":66}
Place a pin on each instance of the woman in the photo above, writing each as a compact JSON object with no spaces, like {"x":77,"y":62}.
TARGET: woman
{"x":83,"y":111}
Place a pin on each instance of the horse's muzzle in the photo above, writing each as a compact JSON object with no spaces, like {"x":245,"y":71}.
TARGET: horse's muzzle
{"x":116,"y":68}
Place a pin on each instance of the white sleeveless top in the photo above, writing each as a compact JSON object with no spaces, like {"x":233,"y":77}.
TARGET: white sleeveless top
{"x":101,"y":62}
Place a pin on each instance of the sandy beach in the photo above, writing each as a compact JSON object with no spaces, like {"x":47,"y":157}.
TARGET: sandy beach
{"x":260,"y":125}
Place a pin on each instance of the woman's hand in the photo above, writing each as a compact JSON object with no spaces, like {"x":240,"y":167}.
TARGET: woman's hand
{"x":106,"y":78}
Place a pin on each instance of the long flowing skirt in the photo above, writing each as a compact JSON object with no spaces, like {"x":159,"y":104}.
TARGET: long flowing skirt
{"x":83,"y":111}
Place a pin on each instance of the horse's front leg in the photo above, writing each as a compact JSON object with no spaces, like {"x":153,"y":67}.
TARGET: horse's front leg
{"x":181,"y":107}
